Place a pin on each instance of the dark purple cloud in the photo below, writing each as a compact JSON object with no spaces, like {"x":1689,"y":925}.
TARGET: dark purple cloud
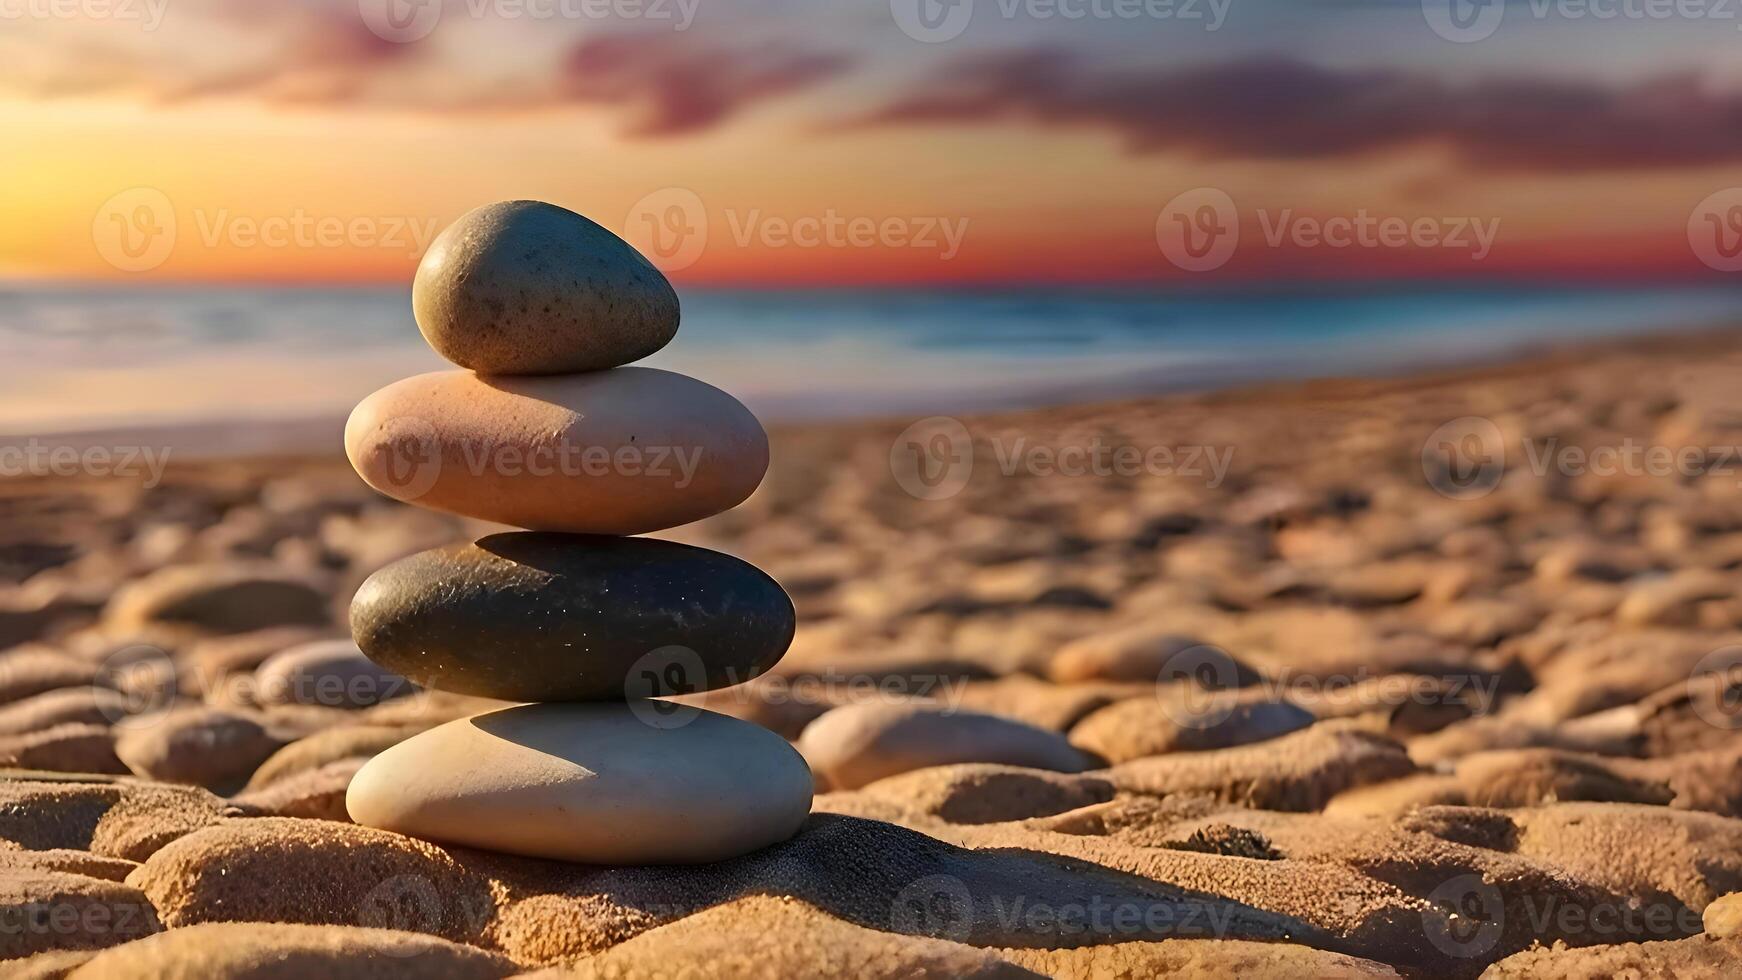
{"x":673,"y":85}
{"x":322,"y":54}
{"x":313,"y":52}
{"x":1279,"y":109}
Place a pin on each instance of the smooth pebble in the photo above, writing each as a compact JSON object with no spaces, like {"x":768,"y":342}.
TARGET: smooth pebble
{"x":594,"y":783}
{"x":626,"y":451}
{"x":524,"y":287}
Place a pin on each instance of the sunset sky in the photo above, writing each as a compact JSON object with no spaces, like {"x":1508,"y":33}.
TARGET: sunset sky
{"x":291,"y":141}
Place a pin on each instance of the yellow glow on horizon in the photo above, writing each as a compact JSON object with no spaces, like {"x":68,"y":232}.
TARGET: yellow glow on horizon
{"x":354,"y":195}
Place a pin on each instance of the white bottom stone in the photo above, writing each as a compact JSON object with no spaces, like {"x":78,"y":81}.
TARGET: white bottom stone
{"x":594,"y":783}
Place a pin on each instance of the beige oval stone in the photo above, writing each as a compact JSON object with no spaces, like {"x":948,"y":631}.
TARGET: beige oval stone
{"x":86,"y":705}
{"x":208,"y":747}
{"x":220,"y":597}
{"x":1148,"y":653}
{"x":323,"y":748}
{"x":32,"y":669}
{"x":858,"y":744}
{"x":625,"y":451}
{"x":595,"y":783}
{"x":70,"y":747}
{"x":1186,"y":721}
{"x":328,"y":673}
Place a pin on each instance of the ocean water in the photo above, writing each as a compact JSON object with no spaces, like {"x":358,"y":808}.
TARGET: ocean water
{"x":86,"y":358}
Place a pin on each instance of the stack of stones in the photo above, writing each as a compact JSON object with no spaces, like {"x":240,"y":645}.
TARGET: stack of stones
{"x":547,"y":430}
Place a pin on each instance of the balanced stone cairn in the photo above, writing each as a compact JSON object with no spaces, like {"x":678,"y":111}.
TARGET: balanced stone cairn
{"x":547,"y":430}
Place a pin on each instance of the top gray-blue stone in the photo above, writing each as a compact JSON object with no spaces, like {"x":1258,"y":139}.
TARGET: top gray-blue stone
{"x":524,"y":287}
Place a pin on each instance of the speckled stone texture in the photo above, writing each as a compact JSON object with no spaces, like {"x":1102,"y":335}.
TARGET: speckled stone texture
{"x":524,"y":287}
{"x":556,"y":617}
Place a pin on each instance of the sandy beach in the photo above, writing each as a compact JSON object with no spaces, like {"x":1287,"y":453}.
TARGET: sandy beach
{"x":1300,"y":680}
{"x":1092,"y":489}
